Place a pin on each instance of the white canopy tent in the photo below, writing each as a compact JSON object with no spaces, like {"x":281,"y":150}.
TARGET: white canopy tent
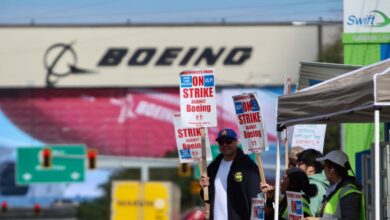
{"x":362,"y":95}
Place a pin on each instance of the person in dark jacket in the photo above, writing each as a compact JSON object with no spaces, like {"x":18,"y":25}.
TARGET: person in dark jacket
{"x":344,"y":198}
{"x":233,"y":180}
{"x":295,"y":180}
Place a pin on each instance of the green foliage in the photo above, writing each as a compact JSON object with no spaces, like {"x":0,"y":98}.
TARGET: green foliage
{"x":332,"y":138}
{"x":332,"y":53}
{"x":97,"y":209}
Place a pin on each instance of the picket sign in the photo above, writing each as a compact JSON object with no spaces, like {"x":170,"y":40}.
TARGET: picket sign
{"x":198,"y":108}
{"x":189,"y":142}
{"x":252,"y":127}
{"x":257,"y":210}
{"x":294,"y":205}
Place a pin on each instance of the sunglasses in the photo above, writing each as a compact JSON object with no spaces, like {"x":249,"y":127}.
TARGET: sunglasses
{"x":227,"y":141}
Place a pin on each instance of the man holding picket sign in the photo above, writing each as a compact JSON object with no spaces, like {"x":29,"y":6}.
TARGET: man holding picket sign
{"x":233,"y":180}
{"x":198,"y":109}
{"x":234,"y":177}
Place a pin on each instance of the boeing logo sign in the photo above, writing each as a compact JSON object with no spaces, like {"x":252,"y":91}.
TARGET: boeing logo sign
{"x":58,"y":53}
{"x":374,"y":18}
{"x":181,"y":56}
{"x":62,"y":54}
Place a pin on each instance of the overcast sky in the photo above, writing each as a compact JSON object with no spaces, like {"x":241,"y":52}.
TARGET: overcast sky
{"x":168,"y":11}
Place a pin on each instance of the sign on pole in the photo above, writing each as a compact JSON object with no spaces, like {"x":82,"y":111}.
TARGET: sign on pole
{"x":68,"y":164}
{"x":189,"y":142}
{"x":309,"y":136}
{"x":250,"y":123}
{"x":198,"y":106}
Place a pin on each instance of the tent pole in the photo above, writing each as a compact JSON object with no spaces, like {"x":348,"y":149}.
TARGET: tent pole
{"x":277,"y":176}
{"x":377,"y":167}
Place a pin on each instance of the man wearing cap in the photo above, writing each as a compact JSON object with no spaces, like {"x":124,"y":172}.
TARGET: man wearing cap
{"x":344,"y":198}
{"x":233,"y":180}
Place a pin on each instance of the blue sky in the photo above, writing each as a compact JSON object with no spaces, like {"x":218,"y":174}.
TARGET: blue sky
{"x":168,"y":11}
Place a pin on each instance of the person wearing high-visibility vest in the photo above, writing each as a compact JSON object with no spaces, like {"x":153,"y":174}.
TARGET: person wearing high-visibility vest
{"x":344,"y":198}
{"x":295,"y":180}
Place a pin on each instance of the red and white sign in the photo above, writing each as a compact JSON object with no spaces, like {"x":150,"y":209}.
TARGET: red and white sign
{"x":257,"y":212}
{"x":295,"y":205}
{"x":189,"y":142}
{"x":250,"y":123}
{"x":197,"y":98}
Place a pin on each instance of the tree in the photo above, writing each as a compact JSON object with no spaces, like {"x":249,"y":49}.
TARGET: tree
{"x":332,"y":53}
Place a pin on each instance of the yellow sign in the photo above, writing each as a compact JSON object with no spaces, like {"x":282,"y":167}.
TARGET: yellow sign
{"x":141,"y":200}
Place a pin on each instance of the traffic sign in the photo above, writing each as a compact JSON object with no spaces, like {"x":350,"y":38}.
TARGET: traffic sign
{"x":68,"y":164}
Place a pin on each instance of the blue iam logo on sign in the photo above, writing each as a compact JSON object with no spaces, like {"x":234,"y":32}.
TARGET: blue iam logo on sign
{"x":239,"y":109}
{"x":255,"y":105}
{"x":186,"y":81}
{"x":185,"y":154}
{"x":298,"y":206}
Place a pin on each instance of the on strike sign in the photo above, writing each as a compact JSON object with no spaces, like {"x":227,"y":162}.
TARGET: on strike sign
{"x":250,"y":123}
{"x":295,"y":205}
{"x":197,"y":98}
{"x":257,"y":212}
{"x":189,"y":142}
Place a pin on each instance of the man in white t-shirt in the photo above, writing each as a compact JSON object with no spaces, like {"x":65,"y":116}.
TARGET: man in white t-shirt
{"x":233,"y":180}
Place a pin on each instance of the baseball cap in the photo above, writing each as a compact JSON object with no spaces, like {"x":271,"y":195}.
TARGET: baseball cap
{"x":226,"y":133}
{"x":337,"y":157}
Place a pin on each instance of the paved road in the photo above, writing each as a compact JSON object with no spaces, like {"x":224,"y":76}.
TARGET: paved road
{"x":57,"y":213}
